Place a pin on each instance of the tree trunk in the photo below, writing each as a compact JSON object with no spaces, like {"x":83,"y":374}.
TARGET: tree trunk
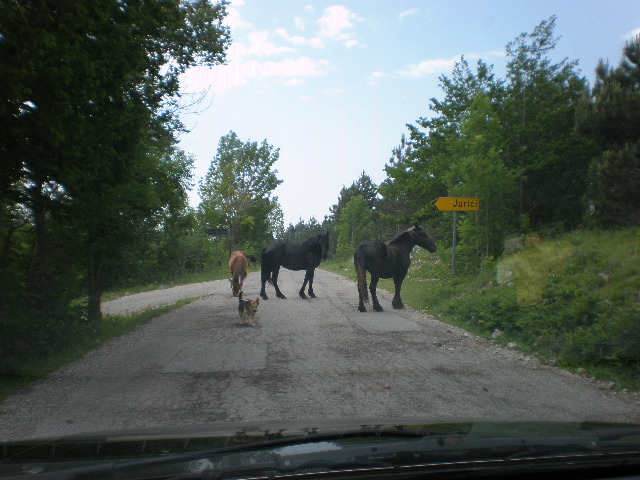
{"x":41,"y":268}
{"x":95,"y":291}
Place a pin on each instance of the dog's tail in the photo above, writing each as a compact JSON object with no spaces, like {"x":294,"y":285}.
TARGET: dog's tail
{"x":361,"y":272}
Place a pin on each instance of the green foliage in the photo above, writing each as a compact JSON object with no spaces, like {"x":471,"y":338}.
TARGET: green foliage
{"x":301,"y":231}
{"x":543,"y":145}
{"x":573,"y":299}
{"x":481,"y":172}
{"x":613,"y":192}
{"x":512,"y":143}
{"x":236,"y":192}
{"x":92,"y":185}
{"x":426,"y":173}
{"x":362,"y":187}
{"x":611,"y":117}
{"x":396,"y":203}
{"x":353,"y":226}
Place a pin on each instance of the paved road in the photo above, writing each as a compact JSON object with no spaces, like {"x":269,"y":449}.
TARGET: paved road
{"x":306,"y":359}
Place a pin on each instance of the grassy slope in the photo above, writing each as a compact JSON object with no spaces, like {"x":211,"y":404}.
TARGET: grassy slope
{"x":574,"y":300}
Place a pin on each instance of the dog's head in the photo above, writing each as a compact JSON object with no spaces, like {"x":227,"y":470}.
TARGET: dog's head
{"x":252,"y":306}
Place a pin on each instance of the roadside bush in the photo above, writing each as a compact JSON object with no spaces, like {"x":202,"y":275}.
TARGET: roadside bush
{"x":496,"y":308}
{"x":613,"y":340}
{"x":31,"y":338}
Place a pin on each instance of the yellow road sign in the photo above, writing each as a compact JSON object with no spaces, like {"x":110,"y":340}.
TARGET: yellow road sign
{"x":465,"y":204}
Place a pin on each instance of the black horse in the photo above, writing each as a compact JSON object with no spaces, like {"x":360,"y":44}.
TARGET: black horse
{"x":293,"y":257}
{"x":387,"y":261}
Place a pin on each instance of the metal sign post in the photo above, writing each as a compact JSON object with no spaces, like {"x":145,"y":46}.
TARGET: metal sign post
{"x":455,"y":241}
{"x":456,"y":204}
{"x":217,"y":232}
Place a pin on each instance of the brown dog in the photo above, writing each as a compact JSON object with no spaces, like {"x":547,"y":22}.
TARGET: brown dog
{"x":247,"y":310}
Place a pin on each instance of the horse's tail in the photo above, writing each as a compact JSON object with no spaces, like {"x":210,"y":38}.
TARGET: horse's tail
{"x":361,"y":272}
{"x":265,"y":268}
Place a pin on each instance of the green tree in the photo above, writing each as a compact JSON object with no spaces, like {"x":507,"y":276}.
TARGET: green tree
{"x":396,"y":203}
{"x":355,"y":225}
{"x":302,"y":230}
{"x":421,"y":176}
{"x":613,"y":189}
{"x":480,"y":171}
{"x":87,"y":90}
{"x":611,"y":117}
{"x":363,"y":187}
{"x":539,"y":117}
{"x":236,"y":192}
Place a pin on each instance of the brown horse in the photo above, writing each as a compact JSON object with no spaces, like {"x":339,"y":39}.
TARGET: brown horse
{"x":238,"y":265}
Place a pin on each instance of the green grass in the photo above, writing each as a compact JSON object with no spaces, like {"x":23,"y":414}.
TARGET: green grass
{"x":111,"y":327}
{"x":572,"y":300}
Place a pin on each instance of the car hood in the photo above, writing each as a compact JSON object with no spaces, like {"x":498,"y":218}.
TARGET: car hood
{"x":291,"y":445}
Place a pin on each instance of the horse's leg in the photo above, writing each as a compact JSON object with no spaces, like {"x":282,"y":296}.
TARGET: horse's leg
{"x":374,"y":297}
{"x":397,"y":301}
{"x":304,"y":284}
{"x":274,"y":279}
{"x":264,"y":276}
{"x":361,"y":306}
{"x":311,"y":275}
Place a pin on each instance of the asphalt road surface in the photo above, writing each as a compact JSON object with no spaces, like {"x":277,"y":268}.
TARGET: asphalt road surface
{"x":305,"y":359}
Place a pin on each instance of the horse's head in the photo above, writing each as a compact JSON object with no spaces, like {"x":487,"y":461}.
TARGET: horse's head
{"x":421,"y":238}
{"x":323,"y":240}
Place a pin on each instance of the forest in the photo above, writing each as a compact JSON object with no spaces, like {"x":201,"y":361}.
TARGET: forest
{"x":93,"y":188}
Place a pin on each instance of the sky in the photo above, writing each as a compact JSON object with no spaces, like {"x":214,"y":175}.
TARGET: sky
{"x":333,"y":85}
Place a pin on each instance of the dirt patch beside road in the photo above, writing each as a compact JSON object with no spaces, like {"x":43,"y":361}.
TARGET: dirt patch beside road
{"x":140,"y":301}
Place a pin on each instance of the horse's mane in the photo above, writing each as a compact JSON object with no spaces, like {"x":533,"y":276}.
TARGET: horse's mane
{"x":404,"y":237}
{"x":313,"y":244}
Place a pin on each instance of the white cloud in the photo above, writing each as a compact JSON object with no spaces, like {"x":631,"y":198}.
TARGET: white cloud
{"x":375,"y":77}
{"x":315,"y":42}
{"x":632,"y":34}
{"x":443,"y":65}
{"x":234,"y":20}
{"x":293,"y":82}
{"x":287,"y":72}
{"x":258,"y":44}
{"x":336,"y":24}
{"x":428,"y":67}
{"x":332,"y":92}
{"x":406,"y":13}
